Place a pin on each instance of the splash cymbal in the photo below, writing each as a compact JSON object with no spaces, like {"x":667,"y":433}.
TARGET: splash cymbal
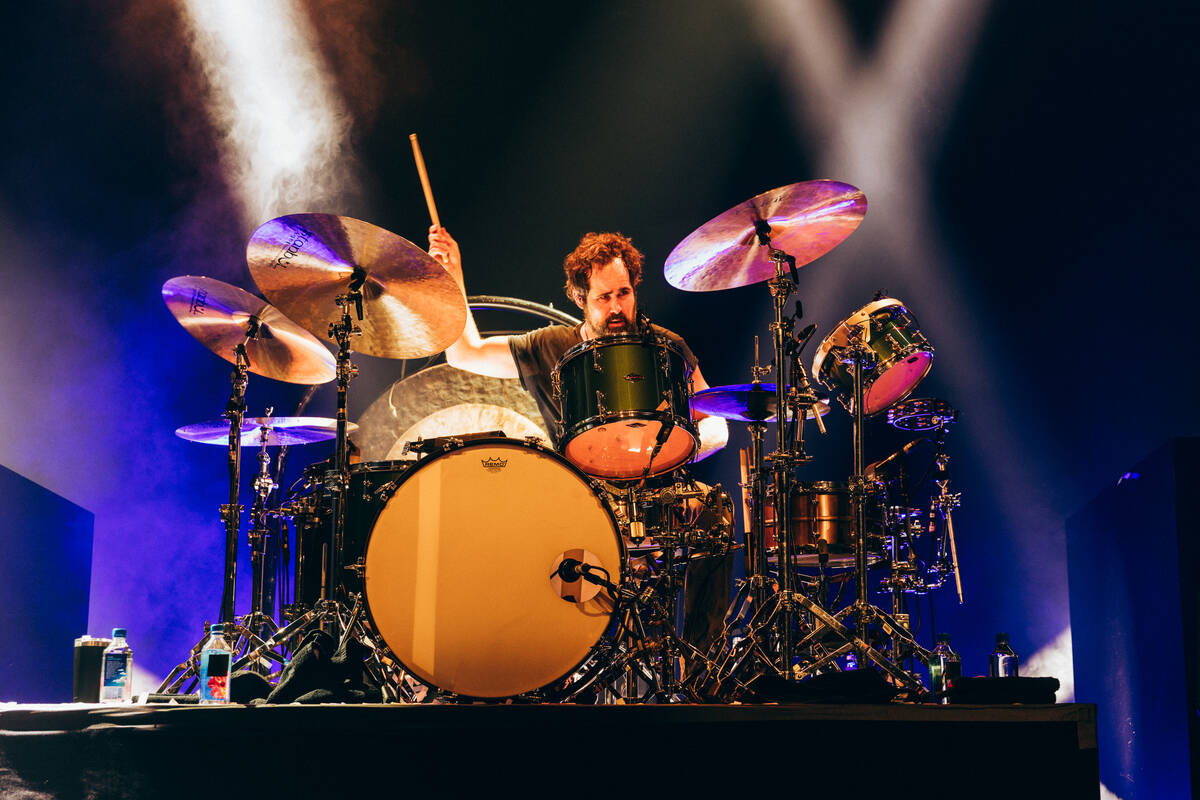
{"x":220,"y":315}
{"x":806,"y":221}
{"x":745,"y":402}
{"x":412,"y":307}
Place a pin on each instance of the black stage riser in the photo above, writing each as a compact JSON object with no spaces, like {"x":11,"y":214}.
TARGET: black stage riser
{"x":570,"y":751}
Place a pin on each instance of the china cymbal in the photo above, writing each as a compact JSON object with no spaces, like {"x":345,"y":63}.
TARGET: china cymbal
{"x":745,"y":402}
{"x":219,"y":315}
{"x":283,"y":430}
{"x":806,"y":221}
{"x":412,"y":307}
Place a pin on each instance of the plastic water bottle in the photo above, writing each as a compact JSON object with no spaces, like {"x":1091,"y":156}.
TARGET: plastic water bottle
{"x":116,"y":676}
{"x":1003,"y":661}
{"x":944,"y":669}
{"x":216,"y":662}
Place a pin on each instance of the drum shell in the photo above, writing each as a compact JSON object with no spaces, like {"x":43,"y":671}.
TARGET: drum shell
{"x":818,"y":511}
{"x":617,"y":390}
{"x":903,"y":357}
{"x":459,"y":563}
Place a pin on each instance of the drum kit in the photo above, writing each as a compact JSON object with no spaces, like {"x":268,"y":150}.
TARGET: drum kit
{"x":479,"y":566}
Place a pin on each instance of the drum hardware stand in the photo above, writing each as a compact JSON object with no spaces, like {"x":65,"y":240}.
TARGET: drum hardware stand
{"x":262,"y":597}
{"x":861,"y":611}
{"x":642,"y":607}
{"x":944,"y":502}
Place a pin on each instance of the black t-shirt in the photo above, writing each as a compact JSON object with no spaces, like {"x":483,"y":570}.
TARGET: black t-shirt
{"x":537,"y":353}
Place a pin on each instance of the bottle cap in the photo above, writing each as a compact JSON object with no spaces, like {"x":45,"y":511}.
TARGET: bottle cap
{"x":217,"y":629}
{"x":118,"y":632}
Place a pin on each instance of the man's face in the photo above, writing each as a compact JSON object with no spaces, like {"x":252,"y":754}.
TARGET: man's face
{"x":611,"y":305}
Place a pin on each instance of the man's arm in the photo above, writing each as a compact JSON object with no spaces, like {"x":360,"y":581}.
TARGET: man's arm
{"x":490,"y":356}
{"x":714,"y":431}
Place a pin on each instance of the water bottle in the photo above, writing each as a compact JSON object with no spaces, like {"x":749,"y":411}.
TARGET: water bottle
{"x":116,"y":677}
{"x":1003,"y":661}
{"x":944,"y":668}
{"x":216,"y":662}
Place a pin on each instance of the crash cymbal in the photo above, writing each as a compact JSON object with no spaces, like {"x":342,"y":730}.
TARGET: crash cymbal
{"x":745,"y":402}
{"x":283,"y":430}
{"x":807,"y":220}
{"x":412,"y":307}
{"x":219,"y":315}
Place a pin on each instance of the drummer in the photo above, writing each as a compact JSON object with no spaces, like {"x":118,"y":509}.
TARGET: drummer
{"x":602,"y":274}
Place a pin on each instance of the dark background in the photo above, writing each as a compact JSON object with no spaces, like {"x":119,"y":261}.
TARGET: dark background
{"x":1033,"y":208}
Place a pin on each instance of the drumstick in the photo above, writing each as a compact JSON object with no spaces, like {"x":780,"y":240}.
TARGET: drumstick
{"x":416,"y":147}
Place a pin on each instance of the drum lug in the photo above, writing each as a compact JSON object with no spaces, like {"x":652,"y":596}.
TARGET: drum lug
{"x":556,"y":385}
{"x":600,"y":408}
{"x":358,"y":567}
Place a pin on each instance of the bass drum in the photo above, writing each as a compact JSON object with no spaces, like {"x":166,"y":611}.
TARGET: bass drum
{"x":462,"y":577}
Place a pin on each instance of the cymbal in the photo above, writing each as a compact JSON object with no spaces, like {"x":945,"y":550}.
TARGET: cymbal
{"x":745,"y":402}
{"x":807,"y":220}
{"x":412,"y":307}
{"x":218,"y":315}
{"x":283,"y":431}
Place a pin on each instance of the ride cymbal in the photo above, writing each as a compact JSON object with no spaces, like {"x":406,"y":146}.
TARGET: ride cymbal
{"x":806,"y":220}
{"x":220,"y":316}
{"x":412,"y":307}
{"x":282,"y":431}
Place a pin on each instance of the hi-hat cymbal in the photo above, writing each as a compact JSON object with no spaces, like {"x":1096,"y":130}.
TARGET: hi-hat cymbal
{"x":807,"y":220}
{"x":412,"y":307}
{"x":746,"y":402}
{"x":219,"y":316}
{"x":282,"y":430}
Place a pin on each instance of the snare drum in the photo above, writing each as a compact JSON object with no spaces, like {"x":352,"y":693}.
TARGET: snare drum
{"x":616,"y":395}
{"x":460,"y":571}
{"x":903,"y":356}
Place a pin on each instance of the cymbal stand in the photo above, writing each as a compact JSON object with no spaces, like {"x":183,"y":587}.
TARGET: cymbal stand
{"x":235,"y":412}
{"x":785,"y":458}
{"x":337,"y":480}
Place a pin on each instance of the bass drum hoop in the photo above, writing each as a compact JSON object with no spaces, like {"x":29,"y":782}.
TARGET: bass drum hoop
{"x":473,"y":628}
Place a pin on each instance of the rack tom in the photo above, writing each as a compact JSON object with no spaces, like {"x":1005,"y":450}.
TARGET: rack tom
{"x":618,"y":394}
{"x":902,"y":355}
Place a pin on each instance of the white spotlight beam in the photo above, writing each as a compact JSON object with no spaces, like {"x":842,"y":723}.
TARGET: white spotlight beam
{"x":281,"y":125}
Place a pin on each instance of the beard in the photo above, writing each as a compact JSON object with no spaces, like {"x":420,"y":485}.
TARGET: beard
{"x":611,"y":325}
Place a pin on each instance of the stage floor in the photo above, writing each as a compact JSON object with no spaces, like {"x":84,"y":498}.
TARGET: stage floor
{"x":92,"y":751}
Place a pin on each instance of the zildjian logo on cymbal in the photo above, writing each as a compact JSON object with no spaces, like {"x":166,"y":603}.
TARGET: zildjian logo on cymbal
{"x":293,"y":247}
{"x":199,"y":302}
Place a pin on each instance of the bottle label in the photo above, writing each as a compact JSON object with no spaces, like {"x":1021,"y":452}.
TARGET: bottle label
{"x":214,"y":675}
{"x":116,"y":669}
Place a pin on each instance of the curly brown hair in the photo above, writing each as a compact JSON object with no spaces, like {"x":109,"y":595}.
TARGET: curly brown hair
{"x":596,"y":250}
